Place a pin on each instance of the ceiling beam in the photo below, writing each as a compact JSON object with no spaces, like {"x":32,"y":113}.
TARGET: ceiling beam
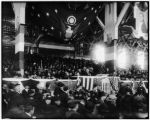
{"x":122,"y":13}
{"x":37,"y":41}
{"x":100,"y":22}
{"x":48,"y":46}
{"x":56,"y":47}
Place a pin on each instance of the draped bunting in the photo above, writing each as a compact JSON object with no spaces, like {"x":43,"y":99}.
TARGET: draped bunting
{"x":105,"y":83}
{"x":141,"y":22}
{"x":114,"y":81}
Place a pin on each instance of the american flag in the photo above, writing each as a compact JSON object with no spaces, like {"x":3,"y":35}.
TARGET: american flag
{"x":86,"y":82}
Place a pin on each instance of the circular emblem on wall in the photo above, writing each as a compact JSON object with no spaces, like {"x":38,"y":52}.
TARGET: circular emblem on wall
{"x":71,"y":20}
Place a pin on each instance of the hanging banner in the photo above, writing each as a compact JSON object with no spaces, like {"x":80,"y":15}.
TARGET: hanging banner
{"x":141,"y":17}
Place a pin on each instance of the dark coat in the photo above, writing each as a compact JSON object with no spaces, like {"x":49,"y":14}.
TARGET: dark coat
{"x":58,"y":91}
{"x":16,"y":99}
{"x":16,"y":113}
{"x":64,"y":99}
{"x":126,"y":104}
{"x":25,"y":94}
{"x":53,"y":112}
{"x":73,"y":115}
{"x":83,"y":111}
{"x":5,"y":100}
{"x":49,"y":111}
{"x":139,"y":102}
{"x":60,"y":112}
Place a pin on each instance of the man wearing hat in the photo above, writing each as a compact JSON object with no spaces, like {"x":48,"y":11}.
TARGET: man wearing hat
{"x":25,"y":92}
{"x":64,"y":96}
{"x":15,"y":97}
{"x":73,"y":106}
{"x":58,"y":90}
{"x":16,"y":102}
{"x":48,"y":110}
{"x":140,"y":101}
{"x":20,"y":112}
{"x":55,"y":109}
{"x":61,"y":91}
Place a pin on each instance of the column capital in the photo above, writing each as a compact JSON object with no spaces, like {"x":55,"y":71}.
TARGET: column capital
{"x":16,"y":6}
{"x":19,"y":10}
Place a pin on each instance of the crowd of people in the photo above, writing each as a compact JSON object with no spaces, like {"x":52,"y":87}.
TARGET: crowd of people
{"x":133,"y":73}
{"x":46,"y":67}
{"x":62,"y":102}
{"x":39,"y":66}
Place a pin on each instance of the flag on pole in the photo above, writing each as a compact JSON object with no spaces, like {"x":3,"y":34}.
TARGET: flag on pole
{"x":114,"y":82}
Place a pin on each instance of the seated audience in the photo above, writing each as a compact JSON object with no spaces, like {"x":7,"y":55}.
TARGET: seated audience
{"x":76,"y":103}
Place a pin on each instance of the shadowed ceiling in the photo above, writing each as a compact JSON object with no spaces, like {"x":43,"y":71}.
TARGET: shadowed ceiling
{"x":52,"y":20}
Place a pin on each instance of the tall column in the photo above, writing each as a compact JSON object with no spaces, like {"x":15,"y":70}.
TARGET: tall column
{"x":110,"y":31}
{"x":19,"y":10}
{"x":110,"y":35}
{"x":112,"y":22}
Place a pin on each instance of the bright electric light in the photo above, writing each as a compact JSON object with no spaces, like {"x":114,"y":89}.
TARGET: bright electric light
{"x":99,"y":53}
{"x":140,"y":59}
{"x":71,"y":20}
{"x":122,"y":58}
{"x":47,"y":14}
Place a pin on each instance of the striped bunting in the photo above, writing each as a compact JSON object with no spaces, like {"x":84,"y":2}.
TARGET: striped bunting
{"x":106,"y":83}
{"x":87,"y":82}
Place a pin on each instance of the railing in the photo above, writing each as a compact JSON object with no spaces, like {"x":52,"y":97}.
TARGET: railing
{"x":105,"y":83}
{"x":41,"y":82}
{"x":86,"y":81}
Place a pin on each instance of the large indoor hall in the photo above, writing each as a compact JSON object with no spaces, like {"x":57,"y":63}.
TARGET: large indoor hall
{"x":75,"y":60}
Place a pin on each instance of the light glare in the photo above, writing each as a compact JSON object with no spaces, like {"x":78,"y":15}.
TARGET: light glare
{"x":99,"y":53}
{"x":140,"y":59}
{"x":122,"y":58}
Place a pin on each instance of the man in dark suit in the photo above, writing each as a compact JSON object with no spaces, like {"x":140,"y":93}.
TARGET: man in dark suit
{"x":5,"y":98}
{"x":73,"y":108}
{"x":64,"y":96}
{"x":21,"y":112}
{"x":59,"y":108}
{"x":14,"y":112}
{"x":15,"y":97}
{"x":48,"y":110}
{"x":28,"y":111}
{"x":59,"y":89}
{"x":25,"y":92}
